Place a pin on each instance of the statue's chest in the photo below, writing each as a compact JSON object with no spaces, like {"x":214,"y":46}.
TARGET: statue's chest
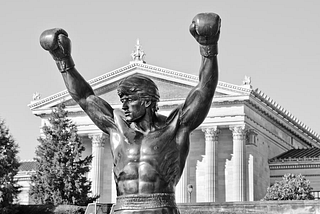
{"x":155,"y":144}
{"x":135,"y":146}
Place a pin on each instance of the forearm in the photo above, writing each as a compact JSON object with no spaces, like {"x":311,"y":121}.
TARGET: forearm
{"x":208,"y":75}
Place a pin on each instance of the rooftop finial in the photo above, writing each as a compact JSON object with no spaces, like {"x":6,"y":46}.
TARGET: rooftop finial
{"x":36,"y":96}
{"x":138,"y":54}
{"x":247,"y":82}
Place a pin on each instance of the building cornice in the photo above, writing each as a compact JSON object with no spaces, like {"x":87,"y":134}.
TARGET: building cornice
{"x":294,"y":160}
{"x":283,"y":117}
{"x":294,"y":166}
{"x":305,"y":175}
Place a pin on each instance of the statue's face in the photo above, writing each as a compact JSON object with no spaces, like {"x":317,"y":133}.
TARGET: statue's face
{"x":133,"y":106}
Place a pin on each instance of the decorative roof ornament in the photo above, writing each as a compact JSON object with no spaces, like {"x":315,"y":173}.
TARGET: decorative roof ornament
{"x":138,"y":54}
{"x":36,"y":96}
{"x":247,"y":82}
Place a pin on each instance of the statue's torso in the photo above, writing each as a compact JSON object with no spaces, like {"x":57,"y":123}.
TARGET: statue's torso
{"x":147,"y":163}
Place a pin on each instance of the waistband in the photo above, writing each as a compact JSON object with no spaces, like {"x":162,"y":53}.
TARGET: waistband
{"x":145,"y":201}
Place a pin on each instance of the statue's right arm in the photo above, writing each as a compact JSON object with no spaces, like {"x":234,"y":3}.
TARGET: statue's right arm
{"x":56,"y":41}
{"x":99,"y":111}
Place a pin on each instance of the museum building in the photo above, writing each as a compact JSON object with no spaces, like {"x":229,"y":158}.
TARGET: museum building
{"x":235,"y":154}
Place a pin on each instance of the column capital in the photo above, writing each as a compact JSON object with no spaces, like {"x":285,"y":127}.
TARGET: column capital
{"x":97,"y":139}
{"x":239,"y":131}
{"x":211,"y":133}
{"x":211,"y":130}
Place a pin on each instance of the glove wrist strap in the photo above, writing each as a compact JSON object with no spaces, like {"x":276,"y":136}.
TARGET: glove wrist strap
{"x":209,"y":50}
{"x":65,"y":64}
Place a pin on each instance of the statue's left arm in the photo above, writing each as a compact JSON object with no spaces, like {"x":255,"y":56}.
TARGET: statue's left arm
{"x":205,"y":28}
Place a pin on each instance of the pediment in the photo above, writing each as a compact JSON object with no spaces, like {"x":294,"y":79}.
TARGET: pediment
{"x":173,"y":85}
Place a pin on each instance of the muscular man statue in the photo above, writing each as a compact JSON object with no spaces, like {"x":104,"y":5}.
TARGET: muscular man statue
{"x":149,"y":150}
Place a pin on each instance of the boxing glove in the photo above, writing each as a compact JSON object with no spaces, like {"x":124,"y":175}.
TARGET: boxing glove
{"x":205,"y":28}
{"x":58,"y":44}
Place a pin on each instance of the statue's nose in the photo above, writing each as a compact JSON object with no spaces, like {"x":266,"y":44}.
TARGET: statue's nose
{"x":124,"y":106}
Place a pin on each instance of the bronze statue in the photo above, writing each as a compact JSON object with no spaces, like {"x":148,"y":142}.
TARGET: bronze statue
{"x":149,"y":150}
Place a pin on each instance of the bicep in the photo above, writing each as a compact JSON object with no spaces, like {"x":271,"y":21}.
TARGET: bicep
{"x":99,"y":111}
{"x":195,"y":108}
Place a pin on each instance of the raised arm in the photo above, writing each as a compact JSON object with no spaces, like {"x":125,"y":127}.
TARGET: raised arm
{"x":205,"y":28}
{"x":56,"y":41}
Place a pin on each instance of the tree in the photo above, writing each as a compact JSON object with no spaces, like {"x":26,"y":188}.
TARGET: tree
{"x":291,"y":187}
{"x":60,"y":177}
{"x":9,"y":165}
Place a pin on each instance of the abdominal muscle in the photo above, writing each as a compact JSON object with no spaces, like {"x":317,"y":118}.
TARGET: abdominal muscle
{"x":141,"y":178}
{"x":141,"y":182}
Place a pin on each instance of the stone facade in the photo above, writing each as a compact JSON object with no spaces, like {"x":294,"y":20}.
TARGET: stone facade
{"x":229,"y":152}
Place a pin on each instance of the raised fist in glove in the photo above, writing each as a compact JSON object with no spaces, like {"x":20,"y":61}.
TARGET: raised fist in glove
{"x":56,"y":41}
{"x":205,"y":28}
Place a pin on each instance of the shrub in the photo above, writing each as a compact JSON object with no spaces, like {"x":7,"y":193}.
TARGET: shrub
{"x":34,"y":209}
{"x":291,"y":187}
{"x":69,"y":209}
{"x":47,"y":209}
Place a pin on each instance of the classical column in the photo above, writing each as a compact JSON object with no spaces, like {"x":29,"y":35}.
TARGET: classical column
{"x":211,"y":155}
{"x":251,"y":142}
{"x":250,"y":178}
{"x":97,"y":164}
{"x":181,"y":188}
{"x":239,"y":162}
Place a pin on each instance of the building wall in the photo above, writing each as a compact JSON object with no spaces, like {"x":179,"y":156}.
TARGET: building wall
{"x":258,"y":169}
{"x":269,"y":131}
{"x":271,"y":140}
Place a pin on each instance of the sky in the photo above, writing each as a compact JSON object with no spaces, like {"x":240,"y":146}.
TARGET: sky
{"x":275,"y":42}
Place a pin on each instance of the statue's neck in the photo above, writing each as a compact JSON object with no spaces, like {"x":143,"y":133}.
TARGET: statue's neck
{"x":147,"y":123}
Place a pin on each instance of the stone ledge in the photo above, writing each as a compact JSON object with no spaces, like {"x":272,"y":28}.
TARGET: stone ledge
{"x":255,"y":207}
